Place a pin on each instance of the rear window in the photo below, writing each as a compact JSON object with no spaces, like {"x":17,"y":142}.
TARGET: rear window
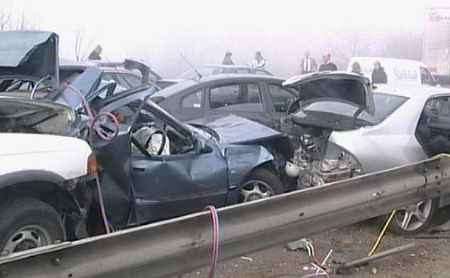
{"x":385,"y":105}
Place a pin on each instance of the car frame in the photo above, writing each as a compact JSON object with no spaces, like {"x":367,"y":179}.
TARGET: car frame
{"x":140,"y":187}
{"x":267,"y":110}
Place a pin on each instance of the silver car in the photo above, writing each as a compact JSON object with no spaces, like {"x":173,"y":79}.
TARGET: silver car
{"x":342,"y":133}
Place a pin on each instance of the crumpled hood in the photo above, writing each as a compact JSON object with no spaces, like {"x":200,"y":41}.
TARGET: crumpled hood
{"x":29,"y":53}
{"x":233,"y":129}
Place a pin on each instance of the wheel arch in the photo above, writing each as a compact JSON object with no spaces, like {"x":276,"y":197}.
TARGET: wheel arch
{"x":48,"y":187}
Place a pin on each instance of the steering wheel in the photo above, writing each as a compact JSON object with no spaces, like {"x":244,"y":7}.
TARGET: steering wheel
{"x":163,"y":141}
{"x":105,"y":126}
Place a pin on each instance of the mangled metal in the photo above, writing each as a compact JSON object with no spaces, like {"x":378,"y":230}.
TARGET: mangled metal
{"x":33,"y":54}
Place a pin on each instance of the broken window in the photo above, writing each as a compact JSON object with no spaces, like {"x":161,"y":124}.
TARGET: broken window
{"x":244,"y":97}
{"x":433,"y":129}
{"x":281,"y":98}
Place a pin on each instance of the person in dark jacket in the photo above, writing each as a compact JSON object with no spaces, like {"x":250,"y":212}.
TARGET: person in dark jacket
{"x":96,"y":53}
{"x":356,"y":68}
{"x":227,"y":59}
{"x":378,"y":74}
{"x":327,"y":64}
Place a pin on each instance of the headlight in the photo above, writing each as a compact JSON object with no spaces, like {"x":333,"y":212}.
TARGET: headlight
{"x":338,"y":164}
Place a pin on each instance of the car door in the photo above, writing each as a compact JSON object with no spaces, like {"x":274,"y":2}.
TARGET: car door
{"x":433,"y":129}
{"x":190,"y":177}
{"x":244,"y":99}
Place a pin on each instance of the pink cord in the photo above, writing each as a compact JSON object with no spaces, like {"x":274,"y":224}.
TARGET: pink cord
{"x":215,"y":240}
{"x":93,"y":119}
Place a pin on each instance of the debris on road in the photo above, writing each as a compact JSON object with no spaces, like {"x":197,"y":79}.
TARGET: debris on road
{"x":380,"y":255}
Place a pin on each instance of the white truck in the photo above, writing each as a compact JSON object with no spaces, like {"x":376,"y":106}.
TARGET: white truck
{"x":43,"y":171}
{"x":399,"y":71}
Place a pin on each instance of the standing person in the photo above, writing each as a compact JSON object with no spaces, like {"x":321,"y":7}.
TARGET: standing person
{"x":327,"y":64}
{"x":259,"y":62}
{"x":356,"y":68}
{"x":378,"y":74}
{"x":96,"y":53}
{"x":308,"y":64}
{"x":227,"y":59}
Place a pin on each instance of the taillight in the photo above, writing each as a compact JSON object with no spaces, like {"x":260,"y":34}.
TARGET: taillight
{"x":92,"y":165}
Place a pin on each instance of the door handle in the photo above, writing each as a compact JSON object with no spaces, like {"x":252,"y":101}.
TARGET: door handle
{"x":139,"y":169}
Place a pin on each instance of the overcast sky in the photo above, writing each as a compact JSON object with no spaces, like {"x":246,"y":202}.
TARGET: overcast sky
{"x":203,"y":29}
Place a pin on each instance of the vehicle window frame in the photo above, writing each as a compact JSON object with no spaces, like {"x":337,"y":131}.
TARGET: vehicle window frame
{"x":280,"y":86}
{"x":165,"y":122}
{"x":124,"y":76}
{"x":185,"y":96}
{"x":240,"y":86}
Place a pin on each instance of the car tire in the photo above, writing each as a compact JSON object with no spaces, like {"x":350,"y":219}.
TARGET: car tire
{"x":426,"y":209}
{"x":28,"y":223}
{"x":261,"y":183}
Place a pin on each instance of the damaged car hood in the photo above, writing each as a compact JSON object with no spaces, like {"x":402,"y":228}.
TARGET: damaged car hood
{"x":29,"y":53}
{"x":232,"y":129}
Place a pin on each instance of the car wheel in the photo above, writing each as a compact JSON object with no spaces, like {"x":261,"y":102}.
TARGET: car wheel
{"x":262,"y":183}
{"x":415,"y":218}
{"x":27,"y":224}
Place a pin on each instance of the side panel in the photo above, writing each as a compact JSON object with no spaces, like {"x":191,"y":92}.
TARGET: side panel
{"x":174,"y":185}
{"x":242,"y":159}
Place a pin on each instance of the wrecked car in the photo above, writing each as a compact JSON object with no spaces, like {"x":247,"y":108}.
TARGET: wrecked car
{"x":343,"y":128}
{"x":44,"y":172}
{"x":158,"y":167}
{"x":43,"y":175}
{"x":155,"y":168}
{"x":260,"y":98}
{"x":31,"y":68}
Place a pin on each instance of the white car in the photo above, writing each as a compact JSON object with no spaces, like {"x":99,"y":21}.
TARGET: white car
{"x":43,"y":171}
{"x":345,"y":128}
{"x":42,"y":175}
{"x":399,"y":72}
{"x":410,"y":124}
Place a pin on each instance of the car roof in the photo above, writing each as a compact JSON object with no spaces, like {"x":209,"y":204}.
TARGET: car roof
{"x":406,"y":62}
{"x":222,"y":77}
{"x":83,"y":65}
{"x":412,"y":91}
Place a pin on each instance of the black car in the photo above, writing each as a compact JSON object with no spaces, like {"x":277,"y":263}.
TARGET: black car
{"x":257,"y":97}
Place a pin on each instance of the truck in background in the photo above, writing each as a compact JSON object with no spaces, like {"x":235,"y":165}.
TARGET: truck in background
{"x":436,"y":41}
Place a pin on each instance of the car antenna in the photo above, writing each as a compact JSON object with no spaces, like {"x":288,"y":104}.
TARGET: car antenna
{"x":199,"y":75}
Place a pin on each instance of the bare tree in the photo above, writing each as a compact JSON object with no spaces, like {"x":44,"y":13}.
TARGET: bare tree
{"x":23,"y":23}
{"x":82,"y":44}
{"x":5,"y":20}
{"x":78,"y":44}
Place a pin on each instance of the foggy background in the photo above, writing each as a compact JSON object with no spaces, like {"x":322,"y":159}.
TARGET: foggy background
{"x":158,"y":31}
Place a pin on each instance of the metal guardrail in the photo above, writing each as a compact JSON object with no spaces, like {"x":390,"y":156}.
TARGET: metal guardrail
{"x":183,"y":244}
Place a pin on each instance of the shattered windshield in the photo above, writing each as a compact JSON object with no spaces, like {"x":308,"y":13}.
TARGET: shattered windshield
{"x":19,"y":84}
{"x":28,"y":117}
